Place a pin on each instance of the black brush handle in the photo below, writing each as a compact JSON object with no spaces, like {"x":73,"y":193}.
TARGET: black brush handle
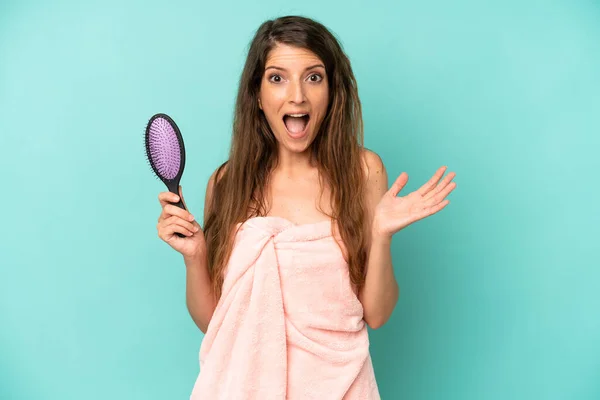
{"x":173,"y":187}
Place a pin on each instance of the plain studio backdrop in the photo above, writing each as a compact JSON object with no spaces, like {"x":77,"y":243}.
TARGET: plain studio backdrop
{"x":499,"y":292}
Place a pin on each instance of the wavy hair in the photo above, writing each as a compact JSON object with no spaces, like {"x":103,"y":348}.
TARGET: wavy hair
{"x":239,"y":185}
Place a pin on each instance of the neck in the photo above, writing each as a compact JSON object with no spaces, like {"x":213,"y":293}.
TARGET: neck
{"x":292,"y":163}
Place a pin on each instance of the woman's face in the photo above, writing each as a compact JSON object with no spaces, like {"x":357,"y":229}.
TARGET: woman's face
{"x":294,"y":93}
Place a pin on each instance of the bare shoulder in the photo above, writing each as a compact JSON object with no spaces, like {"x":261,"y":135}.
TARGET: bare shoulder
{"x":375,"y":172}
{"x":376,"y":183}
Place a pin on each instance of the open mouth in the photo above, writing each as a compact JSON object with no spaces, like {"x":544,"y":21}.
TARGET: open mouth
{"x":296,"y":123}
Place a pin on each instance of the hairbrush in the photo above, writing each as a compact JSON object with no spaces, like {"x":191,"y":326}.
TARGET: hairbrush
{"x":165,"y":153}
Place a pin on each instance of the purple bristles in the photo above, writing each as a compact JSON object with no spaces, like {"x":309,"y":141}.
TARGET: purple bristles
{"x":164,"y":148}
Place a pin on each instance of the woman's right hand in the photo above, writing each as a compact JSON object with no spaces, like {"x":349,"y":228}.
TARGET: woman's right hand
{"x":175,"y":219}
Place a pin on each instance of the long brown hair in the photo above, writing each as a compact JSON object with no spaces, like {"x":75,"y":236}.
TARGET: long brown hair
{"x":239,"y":185}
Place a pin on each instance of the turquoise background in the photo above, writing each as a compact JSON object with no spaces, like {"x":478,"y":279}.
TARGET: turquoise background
{"x":500,"y":291}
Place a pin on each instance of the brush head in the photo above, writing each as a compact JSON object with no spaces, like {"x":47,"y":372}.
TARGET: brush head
{"x":164,"y":149}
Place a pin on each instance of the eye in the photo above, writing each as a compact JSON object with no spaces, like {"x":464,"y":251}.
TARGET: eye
{"x":317,"y":78}
{"x":275,"y":78}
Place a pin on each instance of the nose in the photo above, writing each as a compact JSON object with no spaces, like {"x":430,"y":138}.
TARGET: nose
{"x":296,"y":94}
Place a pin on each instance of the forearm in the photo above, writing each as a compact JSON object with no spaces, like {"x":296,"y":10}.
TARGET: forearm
{"x":380,"y":292}
{"x":199,"y":295}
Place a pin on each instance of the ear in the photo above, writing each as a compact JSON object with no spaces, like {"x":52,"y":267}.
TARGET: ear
{"x":259,"y":104}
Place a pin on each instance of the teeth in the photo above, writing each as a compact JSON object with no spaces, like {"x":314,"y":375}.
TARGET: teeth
{"x":296,"y":115}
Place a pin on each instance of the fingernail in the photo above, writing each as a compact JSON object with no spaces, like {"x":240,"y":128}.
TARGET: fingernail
{"x":191,"y":217}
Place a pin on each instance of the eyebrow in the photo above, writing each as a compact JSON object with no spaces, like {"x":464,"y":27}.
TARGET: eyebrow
{"x":283,"y":69}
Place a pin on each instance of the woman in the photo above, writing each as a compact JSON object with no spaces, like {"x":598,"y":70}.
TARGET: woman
{"x":294,"y":258}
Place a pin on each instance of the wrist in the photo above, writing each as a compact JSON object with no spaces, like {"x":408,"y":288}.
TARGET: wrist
{"x":379,"y":236}
{"x":379,"y":239}
{"x":193,"y":260}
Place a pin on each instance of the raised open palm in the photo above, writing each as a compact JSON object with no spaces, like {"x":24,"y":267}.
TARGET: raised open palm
{"x":393,"y":213}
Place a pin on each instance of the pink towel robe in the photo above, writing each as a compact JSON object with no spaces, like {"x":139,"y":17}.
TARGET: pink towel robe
{"x":288,"y":324}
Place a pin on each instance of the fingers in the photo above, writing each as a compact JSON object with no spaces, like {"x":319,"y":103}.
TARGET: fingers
{"x":398,"y":184}
{"x":444,"y":183}
{"x":165,"y":232}
{"x":171,"y":209}
{"x":174,"y":224}
{"x":433,"y":209}
{"x":166,"y":199}
{"x":438,"y":207}
{"x":441,"y":195}
{"x":430,"y":184}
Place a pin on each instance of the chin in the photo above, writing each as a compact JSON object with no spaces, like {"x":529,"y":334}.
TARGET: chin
{"x":298,"y":148}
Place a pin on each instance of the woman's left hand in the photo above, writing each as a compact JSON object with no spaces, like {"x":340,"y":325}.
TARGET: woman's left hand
{"x":394,"y":213}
